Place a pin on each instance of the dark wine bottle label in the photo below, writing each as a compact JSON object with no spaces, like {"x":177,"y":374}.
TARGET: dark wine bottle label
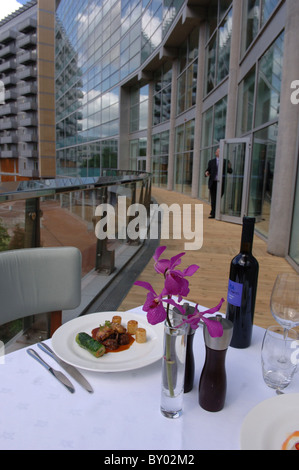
{"x":234,"y":294}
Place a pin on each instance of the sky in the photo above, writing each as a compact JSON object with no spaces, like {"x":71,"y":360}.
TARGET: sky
{"x":9,"y":6}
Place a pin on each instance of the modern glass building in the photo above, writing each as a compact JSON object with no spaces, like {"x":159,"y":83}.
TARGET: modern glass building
{"x":159,"y":85}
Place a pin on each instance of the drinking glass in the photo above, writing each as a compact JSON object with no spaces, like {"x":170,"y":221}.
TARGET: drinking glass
{"x":279,"y":356}
{"x":284,"y":303}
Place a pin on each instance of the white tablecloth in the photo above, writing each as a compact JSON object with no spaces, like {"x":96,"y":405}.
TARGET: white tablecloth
{"x":36,"y":412}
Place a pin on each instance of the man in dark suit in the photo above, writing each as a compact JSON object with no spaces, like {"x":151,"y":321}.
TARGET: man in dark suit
{"x":212,"y":172}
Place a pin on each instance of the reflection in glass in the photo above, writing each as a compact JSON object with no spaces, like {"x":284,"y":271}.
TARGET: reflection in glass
{"x":225,"y":33}
{"x":294,"y":245}
{"x":269,"y":83}
{"x":232,"y":185}
{"x":246,"y":103}
{"x":261,"y":178}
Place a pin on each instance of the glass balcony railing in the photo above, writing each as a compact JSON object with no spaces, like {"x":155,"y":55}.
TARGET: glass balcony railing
{"x":62,"y":212}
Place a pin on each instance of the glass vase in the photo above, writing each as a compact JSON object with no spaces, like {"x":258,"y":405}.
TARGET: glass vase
{"x":173,"y":368}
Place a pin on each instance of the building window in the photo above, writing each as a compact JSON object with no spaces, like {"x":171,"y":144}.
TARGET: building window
{"x":269,"y":83}
{"x":159,"y":163}
{"x":184,"y":145}
{"x":162,"y":94}
{"x":258,"y":106}
{"x":137,"y":152}
{"x":256,"y":14}
{"x":261,"y":177}
{"x":246,"y":103}
{"x":138,"y":108}
{"x":188,"y":73}
{"x":213,"y":130}
{"x":218,"y":53}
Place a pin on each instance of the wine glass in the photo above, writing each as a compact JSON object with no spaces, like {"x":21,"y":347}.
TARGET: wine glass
{"x":284,"y":303}
{"x":279,"y":357}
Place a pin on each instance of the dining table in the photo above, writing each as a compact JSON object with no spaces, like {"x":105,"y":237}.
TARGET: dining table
{"x":123,"y":415}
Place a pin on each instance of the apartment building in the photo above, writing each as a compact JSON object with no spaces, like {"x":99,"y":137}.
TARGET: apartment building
{"x":27,"y":112}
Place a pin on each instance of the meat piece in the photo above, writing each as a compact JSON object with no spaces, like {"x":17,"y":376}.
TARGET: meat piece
{"x":117,"y":327}
{"x":124,"y":338}
{"x":104,"y":333}
{"x":111,"y":343}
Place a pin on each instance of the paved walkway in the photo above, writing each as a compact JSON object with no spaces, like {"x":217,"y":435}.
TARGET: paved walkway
{"x":221,"y":242}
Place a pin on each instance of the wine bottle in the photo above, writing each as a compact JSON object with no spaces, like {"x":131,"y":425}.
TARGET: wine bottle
{"x":242,"y":287}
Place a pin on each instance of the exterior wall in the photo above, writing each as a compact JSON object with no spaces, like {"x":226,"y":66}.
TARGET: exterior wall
{"x":46,"y":87}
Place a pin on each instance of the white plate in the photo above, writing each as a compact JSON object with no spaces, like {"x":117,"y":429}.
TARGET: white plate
{"x":270,"y":423}
{"x":138,"y":355}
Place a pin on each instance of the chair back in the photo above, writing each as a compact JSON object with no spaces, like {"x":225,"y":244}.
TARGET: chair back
{"x":39,"y":280}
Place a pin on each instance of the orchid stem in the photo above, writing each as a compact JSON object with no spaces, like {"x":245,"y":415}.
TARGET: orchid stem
{"x":169,"y":363}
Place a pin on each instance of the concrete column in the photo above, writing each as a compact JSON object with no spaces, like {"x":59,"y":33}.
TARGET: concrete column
{"x":287,"y":141}
{"x":174,"y":88}
{"x":198,"y":118}
{"x":232,"y":98}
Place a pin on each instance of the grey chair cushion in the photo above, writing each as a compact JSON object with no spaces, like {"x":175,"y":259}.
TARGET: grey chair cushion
{"x":39,"y":280}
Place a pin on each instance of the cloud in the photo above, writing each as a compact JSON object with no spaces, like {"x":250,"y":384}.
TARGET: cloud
{"x":8,"y":7}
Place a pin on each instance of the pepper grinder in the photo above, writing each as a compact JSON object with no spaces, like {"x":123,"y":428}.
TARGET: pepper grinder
{"x":213,"y":383}
{"x":190,"y":365}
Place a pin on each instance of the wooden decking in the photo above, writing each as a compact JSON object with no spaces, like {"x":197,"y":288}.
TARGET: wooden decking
{"x":221,"y":242}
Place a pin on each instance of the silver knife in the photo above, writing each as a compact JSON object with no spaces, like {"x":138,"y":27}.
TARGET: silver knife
{"x":56,"y":373}
{"x":71,"y":370}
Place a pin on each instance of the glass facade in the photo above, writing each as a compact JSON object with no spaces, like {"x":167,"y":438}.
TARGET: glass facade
{"x":99,"y":44}
{"x":256,"y":14}
{"x":218,"y":50}
{"x":127,"y":75}
{"x":258,"y":116}
{"x":294,"y":244}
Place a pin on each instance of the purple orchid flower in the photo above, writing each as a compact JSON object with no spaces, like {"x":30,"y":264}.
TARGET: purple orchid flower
{"x":175,"y":282}
{"x":156,"y":312}
{"x":215,"y":329}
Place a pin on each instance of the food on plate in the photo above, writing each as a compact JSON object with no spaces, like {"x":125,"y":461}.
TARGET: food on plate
{"x":292,"y":442}
{"x":132,"y":326}
{"x":140,"y":335}
{"x":87,"y":342}
{"x":116,"y":319}
{"x":112,"y":336}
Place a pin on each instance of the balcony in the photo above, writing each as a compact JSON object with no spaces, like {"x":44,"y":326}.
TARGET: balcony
{"x":28,"y":42}
{"x":8,"y":66}
{"x":9,"y":153}
{"x":8,"y":110}
{"x":27,"y":74}
{"x":6,"y":124}
{"x":27,"y":136}
{"x":8,"y":51}
{"x":28,"y":105}
{"x":8,"y":36}
{"x":28,"y":26}
{"x":28,"y":153}
{"x":27,"y":90}
{"x":27,"y":58}
{"x":28,"y":122}
{"x":9,"y":139}
{"x":10,"y":80}
{"x":11,"y":95}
